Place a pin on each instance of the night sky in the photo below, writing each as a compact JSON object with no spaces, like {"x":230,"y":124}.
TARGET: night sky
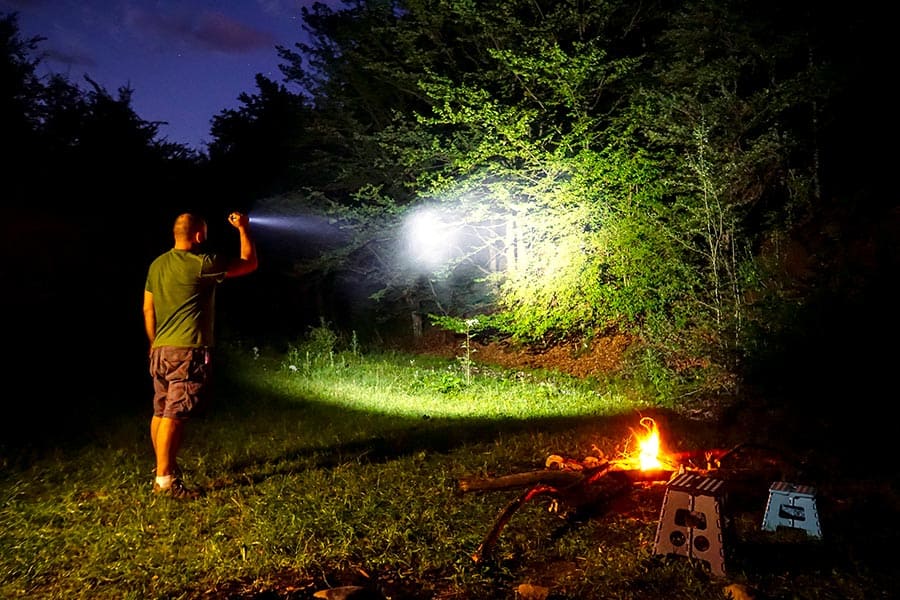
{"x":185,"y":61}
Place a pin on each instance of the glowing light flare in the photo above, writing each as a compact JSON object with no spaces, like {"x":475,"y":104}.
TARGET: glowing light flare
{"x":429,"y":239}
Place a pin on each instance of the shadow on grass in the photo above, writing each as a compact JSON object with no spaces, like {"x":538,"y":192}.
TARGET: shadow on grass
{"x":404,"y":438}
{"x":72,"y":403}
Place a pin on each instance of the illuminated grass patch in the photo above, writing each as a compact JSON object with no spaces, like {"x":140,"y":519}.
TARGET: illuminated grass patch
{"x":415,"y":387}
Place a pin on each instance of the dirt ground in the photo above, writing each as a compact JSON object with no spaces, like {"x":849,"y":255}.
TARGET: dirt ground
{"x":604,"y":353}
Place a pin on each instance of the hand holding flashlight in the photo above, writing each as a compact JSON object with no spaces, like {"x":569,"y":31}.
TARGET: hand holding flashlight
{"x":238,"y":220}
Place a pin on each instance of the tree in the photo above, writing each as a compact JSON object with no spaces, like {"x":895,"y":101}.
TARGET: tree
{"x":20,"y":87}
{"x":260,"y":148}
{"x":65,"y":143}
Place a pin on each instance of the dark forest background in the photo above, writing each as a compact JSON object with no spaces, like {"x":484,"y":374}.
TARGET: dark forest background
{"x":710,"y":176}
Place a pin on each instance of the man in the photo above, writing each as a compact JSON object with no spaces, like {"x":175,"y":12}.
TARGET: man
{"x":179,"y":313}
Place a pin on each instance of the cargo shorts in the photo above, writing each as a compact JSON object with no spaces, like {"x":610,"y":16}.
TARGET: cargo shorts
{"x":181,"y":378}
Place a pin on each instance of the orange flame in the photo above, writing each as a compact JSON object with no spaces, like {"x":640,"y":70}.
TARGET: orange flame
{"x":649,"y":446}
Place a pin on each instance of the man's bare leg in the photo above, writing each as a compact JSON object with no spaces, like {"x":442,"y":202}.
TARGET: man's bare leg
{"x":166,"y":435}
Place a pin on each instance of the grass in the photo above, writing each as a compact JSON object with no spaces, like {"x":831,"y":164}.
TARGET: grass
{"x":335,"y":469}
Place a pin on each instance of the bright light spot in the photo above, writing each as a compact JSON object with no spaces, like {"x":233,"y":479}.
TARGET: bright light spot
{"x":429,"y":239}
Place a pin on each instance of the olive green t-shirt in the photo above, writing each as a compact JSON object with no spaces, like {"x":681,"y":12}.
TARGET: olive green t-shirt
{"x":183,"y":284}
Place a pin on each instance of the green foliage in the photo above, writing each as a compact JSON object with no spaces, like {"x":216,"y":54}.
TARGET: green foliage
{"x":649,"y":371}
{"x":716,"y":130}
{"x":321,"y":347}
{"x":443,"y":381}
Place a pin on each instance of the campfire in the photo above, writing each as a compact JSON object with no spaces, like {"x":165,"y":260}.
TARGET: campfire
{"x":648,"y":453}
{"x":596,"y":479}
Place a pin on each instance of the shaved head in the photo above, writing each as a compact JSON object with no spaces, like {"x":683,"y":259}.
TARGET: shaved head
{"x":187,"y":225}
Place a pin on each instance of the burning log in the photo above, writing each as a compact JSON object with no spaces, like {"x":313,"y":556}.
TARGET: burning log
{"x":648,"y":475}
{"x":558,"y":479}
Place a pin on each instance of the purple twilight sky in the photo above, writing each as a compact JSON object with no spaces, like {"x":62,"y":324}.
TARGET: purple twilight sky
{"x":186,"y":61}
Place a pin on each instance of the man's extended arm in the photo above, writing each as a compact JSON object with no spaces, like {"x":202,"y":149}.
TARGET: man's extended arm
{"x":247,"y":262}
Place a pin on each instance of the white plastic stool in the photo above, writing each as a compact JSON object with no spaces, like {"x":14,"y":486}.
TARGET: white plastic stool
{"x":792,"y":506}
{"x":690,"y":523}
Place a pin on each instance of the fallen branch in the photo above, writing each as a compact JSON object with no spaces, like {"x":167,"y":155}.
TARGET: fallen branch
{"x":528,"y":478}
{"x":487,"y":546}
